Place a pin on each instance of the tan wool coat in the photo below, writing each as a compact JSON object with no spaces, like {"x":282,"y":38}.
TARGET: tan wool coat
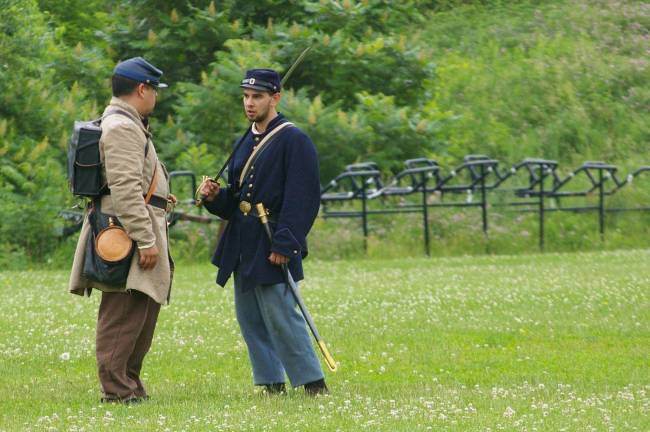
{"x":128,"y":174}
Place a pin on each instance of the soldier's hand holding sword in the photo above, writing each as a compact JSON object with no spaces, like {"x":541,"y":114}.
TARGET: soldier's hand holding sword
{"x":208,"y":190}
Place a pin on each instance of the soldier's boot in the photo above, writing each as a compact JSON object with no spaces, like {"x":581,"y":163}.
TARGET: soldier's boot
{"x":316,"y":388}
{"x":275,"y":389}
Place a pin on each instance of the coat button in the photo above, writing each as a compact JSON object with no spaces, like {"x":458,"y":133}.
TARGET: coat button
{"x":250,"y":185}
{"x":250,"y":176}
{"x":248,"y":194}
{"x":295,"y":252}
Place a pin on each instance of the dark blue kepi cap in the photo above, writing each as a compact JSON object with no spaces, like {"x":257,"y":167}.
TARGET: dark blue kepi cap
{"x":261,"y":79}
{"x":140,"y":70}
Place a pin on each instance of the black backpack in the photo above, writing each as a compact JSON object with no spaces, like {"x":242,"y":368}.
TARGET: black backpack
{"x":84,"y":164}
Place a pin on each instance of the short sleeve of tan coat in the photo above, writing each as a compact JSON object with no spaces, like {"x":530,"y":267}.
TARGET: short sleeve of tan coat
{"x":123,"y":144}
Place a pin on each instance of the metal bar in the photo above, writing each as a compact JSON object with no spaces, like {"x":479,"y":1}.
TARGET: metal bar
{"x":364,"y":207}
{"x":626,"y":209}
{"x":601,"y":205}
{"x":552,"y":210}
{"x":408,"y":208}
{"x":478,"y":204}
{"x":443,"y":204}
{"x":483,"y":201}
{"x":359,"y":214}
{"x":541,"y":208}
{"x":514,"y":204}
{"x":425,"y":215}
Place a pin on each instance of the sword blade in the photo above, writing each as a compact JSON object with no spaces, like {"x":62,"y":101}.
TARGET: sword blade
{"x":294,"y":65}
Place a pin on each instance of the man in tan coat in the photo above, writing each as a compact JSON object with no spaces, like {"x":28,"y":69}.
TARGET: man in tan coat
{"x":128,"y":314}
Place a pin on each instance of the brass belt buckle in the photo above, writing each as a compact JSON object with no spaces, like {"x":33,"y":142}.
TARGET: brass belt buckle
{"x":245,"y":207}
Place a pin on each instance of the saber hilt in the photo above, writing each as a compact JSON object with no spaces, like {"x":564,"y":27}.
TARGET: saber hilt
{"x":262,"y":213}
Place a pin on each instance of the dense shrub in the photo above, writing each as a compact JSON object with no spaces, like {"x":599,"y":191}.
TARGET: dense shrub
{"x":38,"y":103}
{"x":384,"y":81}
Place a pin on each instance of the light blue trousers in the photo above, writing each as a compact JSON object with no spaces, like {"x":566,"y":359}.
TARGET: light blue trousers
{"x":276,"y":335}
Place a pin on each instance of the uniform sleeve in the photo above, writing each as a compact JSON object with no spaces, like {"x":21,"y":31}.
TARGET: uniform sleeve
{"x":124,"y":162}
{"x":301,"y":198}
{"x":223,"y":204}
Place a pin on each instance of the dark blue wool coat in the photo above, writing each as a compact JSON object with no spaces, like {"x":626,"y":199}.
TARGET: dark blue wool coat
{"x":284,"y":178}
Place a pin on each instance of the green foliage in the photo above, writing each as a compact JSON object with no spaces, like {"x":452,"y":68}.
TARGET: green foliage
{"x":384,"y":81}
{"x":76,"y":21}
{"x":179,"y":37}
{"x":36,"y":114}
{"x":552,"y":81}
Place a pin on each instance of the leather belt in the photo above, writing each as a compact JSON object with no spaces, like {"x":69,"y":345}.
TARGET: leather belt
{"x":157,"y":202}
{"x":160,"y":203}
{"x":248,"y":209}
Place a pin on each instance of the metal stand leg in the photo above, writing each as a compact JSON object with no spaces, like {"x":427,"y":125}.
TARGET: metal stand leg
{"x":601,"y":205}
{"x":541,"y":208}
{"x":425,"y":217}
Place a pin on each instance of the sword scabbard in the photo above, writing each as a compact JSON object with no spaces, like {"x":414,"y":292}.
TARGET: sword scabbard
{"x":329,"y":360}
{"x":262,"y":213}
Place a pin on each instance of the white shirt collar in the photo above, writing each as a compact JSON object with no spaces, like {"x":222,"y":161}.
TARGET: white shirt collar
{"x":254,"y":130}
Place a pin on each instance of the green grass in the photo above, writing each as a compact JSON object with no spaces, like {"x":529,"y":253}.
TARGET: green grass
{"x":538,"y":342}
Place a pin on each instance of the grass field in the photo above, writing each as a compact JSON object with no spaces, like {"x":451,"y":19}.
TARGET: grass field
{"x":528,"y":343}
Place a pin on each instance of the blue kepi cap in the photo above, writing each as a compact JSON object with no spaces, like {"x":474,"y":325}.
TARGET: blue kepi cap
{"x":261,"y":79}
{"x":140,"y":70}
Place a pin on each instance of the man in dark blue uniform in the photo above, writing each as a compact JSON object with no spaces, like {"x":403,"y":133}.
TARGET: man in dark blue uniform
{"x":275,"y":164}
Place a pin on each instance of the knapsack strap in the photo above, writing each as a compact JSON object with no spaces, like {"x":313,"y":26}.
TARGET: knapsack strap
{"x":127,"y":114}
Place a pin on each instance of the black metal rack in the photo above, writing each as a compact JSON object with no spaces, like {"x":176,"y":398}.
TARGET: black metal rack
{"x":477,"y":174}
{"x":530,"y":186}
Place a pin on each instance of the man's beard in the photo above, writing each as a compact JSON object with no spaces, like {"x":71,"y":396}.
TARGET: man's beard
{"x":260,"y":117}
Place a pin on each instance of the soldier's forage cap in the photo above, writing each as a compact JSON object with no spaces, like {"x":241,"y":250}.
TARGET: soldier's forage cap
{"x":262,"y":79}
{"x":140,"y":70}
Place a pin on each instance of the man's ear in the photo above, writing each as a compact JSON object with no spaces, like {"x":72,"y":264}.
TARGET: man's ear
{"x":140,"y":89}
{"x":276,"y":98}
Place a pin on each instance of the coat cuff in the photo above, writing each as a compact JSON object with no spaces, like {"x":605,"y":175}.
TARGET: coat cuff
{"x":211,"y":206}
{"x":286,"y":244}
{"x":219,"y":204}
{"x":147,"y":245}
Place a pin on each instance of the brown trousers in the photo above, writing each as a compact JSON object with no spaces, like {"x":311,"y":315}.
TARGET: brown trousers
{"x":125,"y":327}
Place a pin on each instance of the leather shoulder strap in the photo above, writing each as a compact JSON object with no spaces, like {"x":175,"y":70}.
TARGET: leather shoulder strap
{"x":152,"y":185}
{"x":258,"y":150}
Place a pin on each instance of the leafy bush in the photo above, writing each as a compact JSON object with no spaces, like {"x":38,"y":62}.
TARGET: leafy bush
{"x":384,"y":81}
{"x":36,"y":115}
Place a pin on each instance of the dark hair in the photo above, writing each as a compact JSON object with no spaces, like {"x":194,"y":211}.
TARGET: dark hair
{"x":123,"y":86}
